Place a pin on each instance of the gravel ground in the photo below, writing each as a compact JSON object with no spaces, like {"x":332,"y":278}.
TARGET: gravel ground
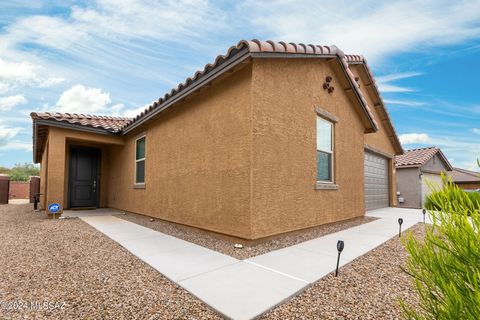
{"x":370,"y":287}
{"x":220,"y":244}
{"x":69,"y":262}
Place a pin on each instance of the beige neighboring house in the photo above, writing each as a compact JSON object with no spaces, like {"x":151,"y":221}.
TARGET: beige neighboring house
{"x":417,"y":171}
{"x":269,"y":138}
{"x":465,"y":179}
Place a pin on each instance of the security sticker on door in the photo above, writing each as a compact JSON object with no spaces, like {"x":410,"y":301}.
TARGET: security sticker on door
{"x":54,"y":207}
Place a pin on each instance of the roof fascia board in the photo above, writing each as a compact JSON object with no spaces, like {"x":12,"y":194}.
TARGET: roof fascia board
{"x":408,"y":166}
{"x":77,"y":127}
{"x":374,"y":88}
{"x":445,"y":161}
{"x":215,"y":73}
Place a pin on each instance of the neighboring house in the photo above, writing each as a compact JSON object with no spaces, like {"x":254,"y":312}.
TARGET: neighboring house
{"x":270,"y":138}
{"x":417,"y":171}
{"x":465,"y":179}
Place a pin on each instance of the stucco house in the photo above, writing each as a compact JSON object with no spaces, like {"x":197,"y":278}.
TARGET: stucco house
{"x":417,"y":171}
{"x":269,"y":138}
{"x":465,"y":179}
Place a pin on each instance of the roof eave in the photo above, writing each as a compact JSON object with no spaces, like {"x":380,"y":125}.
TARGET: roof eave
{"x":398,"y":146}
{"x":229,"y":64}
{"x":64,"y":125}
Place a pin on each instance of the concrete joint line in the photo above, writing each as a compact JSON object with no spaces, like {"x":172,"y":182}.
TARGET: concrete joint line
{"x":276,"y":271}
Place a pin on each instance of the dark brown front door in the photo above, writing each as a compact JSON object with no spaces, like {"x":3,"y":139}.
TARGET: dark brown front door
{"x":84,"y":177}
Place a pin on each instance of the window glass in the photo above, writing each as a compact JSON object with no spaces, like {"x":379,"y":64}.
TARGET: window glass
{"x":140,"y":160}
{"x":140,"y":172}
{"x":324,"y":150}
{"x":324,"y":166}
{"x":324,"y":135}
{"x":140,"y":149}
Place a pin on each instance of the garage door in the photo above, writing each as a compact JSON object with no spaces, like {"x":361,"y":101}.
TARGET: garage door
{"x":376,"y":181}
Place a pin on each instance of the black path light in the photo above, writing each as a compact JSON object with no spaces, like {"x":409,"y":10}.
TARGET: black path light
{"x":424,"y":212}
{"x":400,"y":221}
{"x":340,"y":246}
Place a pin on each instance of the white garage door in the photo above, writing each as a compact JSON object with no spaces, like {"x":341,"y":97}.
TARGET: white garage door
{"x":430,"y":180}
{"x":376,"y":181}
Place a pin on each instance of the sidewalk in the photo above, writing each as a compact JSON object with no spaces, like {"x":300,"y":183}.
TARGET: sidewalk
{"x":245,"y":289}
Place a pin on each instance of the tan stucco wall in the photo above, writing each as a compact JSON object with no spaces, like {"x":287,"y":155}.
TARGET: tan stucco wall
{"x":435,"y":164}
{"x":381,"y":139}
{"x":409,"y":185}
{"x":197,"y":161}
{"x":285,"y":93}
{"x":43,"y":177}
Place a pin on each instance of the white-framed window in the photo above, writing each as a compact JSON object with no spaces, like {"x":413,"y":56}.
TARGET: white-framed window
{"x":324,"y":150}
{"x":140,"y":160}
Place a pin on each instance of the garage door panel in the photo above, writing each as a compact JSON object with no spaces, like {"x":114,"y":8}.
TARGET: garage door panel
{"x":376,"y":182}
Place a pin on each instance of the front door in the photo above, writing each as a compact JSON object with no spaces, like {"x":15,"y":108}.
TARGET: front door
{"x":84,"y":177}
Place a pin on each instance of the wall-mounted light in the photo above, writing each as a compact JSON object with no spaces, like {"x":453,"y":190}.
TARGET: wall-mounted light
{"x":340,"y":246}
{"x":424,"y":212}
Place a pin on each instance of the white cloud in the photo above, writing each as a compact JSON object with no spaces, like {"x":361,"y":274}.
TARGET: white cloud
{"x":79,"y":99}
{"x":412,"y":138}
{"x":408,"y":103}
{"x":476,"y":130}
{"x":374,"y":29}
{"x":6,"y":134}
{"x":134,"y":111}
{"x":384,"y":82}
{"x":7,"y":103}
{"x":14,"y":75}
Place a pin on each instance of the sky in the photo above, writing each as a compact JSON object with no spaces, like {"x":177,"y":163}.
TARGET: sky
{"x":114,"y":57}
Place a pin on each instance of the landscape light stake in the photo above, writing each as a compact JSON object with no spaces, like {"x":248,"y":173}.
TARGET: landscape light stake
{"x":400,"y":221}
{"x":340,"y":246}
{"x":424,"y":212}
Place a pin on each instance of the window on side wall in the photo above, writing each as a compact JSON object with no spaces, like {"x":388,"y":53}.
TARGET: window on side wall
{"x":140,"y":161}
{"x":324,"y":150}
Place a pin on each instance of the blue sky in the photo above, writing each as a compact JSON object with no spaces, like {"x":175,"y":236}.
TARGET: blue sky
{"x":116,"y":56}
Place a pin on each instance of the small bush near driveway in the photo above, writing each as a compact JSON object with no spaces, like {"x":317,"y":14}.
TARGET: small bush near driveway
{"x":446,"y":265}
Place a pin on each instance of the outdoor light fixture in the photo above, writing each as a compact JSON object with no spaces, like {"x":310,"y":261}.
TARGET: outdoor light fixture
{"x":340,"y":246}
{"x":424,"y":212}
{"x":400,"y":221}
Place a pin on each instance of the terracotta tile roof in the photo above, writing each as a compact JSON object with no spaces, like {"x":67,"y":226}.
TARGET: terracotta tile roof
{"x":245,"y":47}
{"x":359,"y":59}
{"x":235,"y":55}
{"x":415,"y":157}
{"x":110,"y":124}
{"x":462,"y":175}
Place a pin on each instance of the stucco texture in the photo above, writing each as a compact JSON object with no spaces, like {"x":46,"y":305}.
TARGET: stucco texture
{"x":285,"y":93}
{"x":197,"y":161}
{"x":409,"y":185}
{"x":238,"y":157}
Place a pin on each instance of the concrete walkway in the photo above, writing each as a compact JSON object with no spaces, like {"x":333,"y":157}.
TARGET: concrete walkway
{"x":245,"y":289}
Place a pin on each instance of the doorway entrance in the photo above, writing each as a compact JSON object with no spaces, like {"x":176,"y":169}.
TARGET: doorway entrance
{"x":84,"y":177}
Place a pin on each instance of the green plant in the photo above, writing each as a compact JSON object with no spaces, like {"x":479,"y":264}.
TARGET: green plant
{"x":22,"y":172}
{"x":452,"y":194}
{"x":445,"y":265}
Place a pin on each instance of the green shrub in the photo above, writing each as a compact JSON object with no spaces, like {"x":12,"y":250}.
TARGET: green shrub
{"x":453,"y":195}
{"x":22,"y":172}
{"x":445,"y":265}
